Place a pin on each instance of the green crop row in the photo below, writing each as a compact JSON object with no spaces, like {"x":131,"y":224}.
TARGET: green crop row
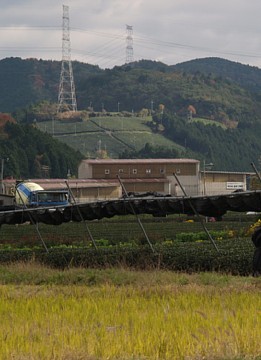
{"x":115,"y":232}
{"x":202,"y":235}
{"x":234,"y":256}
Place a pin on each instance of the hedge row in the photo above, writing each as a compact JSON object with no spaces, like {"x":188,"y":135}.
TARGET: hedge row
{"x":235,"y":256}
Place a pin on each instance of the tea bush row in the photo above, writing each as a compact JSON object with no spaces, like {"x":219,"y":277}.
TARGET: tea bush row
{"x":235,"y":256}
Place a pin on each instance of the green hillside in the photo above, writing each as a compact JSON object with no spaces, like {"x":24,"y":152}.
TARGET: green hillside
{"x":108,"y":135}
{"x":186,"y":102}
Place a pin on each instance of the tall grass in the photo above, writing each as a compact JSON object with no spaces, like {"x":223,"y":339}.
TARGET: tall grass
{"x":119,"y":314}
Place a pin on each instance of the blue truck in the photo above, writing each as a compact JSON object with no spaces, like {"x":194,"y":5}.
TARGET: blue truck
{"x":30,"y":194}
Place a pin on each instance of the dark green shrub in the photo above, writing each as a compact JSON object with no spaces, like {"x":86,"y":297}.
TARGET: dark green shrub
{"x":235,"y":256}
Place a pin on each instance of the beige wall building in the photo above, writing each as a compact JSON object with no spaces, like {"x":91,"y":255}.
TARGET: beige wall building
{"x":98,"y":179}
{"x":223,"y":182}
{"x":141,"y":175}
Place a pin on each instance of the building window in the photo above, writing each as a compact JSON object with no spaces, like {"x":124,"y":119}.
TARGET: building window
{"x":134,"y":171}
{"x":177,"y":171}
{"x":162,"y":171}
{"x":120,"y":171}
{"x":148,"y":171}
{"x":107,"y":171}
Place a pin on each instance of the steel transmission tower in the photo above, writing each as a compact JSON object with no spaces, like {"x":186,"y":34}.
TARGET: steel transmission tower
{"x":66,"y":97}
{"x":129,"y":44}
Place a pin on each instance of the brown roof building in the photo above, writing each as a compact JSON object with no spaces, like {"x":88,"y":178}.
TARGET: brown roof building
{"x":142,"y":175}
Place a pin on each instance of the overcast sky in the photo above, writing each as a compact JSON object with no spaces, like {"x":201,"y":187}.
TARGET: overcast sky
{"x":171,"y":31}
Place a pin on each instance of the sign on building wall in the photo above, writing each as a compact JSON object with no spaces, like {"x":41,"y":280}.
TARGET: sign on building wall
{"x":235,"y":185}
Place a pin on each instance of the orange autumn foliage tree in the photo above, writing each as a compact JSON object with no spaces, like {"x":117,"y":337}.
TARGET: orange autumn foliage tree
{"x":192,"y":109}
{"x":5,"y":118}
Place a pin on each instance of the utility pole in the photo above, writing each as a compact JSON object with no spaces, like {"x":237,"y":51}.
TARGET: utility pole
{"x":2,"y":175}
{"x":205,"y":166}
{"x":66,"y":97}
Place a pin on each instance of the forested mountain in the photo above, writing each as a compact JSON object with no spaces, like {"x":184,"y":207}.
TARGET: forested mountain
{"x":215,"y":87}
{"x":29,"y":153}
{"x":26,"y":82}
{"x":211,"y":106}
{"x":248,"y":77}
{"x":212,"y":97}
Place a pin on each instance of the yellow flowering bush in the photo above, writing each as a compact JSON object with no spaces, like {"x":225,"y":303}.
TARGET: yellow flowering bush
{"x":253,"y":227}
{"x":231,"y":233}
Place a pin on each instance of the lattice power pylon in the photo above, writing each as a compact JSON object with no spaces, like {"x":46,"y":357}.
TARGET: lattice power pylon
{"x":66,"y":97}
{"x":129,"y":44}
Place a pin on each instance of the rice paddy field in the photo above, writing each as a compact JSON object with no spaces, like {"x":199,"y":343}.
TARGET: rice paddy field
{"x":122,"y":314}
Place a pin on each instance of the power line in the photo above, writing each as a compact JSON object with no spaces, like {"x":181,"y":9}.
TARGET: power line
{"x":102,"y":50}
{"x":138,"y":39}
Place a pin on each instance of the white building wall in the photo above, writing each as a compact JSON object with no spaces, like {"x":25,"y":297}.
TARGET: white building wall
{"x":85,"y":171}
{"x":190,"y":184}
{"x":219,"y":188}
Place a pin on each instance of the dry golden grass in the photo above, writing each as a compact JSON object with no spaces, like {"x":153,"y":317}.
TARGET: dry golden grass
{"x":127,"y":315}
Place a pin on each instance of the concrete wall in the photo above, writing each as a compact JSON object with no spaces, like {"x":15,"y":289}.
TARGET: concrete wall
{"x":214,"y":183}
{"x":85,"y":171}
{"x":190,"y":184}
{"x":97,"y":193}
{"x":145,"y":186}
{"x":6,"y":200}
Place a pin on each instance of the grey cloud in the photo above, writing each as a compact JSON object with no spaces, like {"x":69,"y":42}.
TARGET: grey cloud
{"x":171,"y":31}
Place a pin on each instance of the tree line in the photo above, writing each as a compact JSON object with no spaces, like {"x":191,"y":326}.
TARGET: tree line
{"x":29,"y":153}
